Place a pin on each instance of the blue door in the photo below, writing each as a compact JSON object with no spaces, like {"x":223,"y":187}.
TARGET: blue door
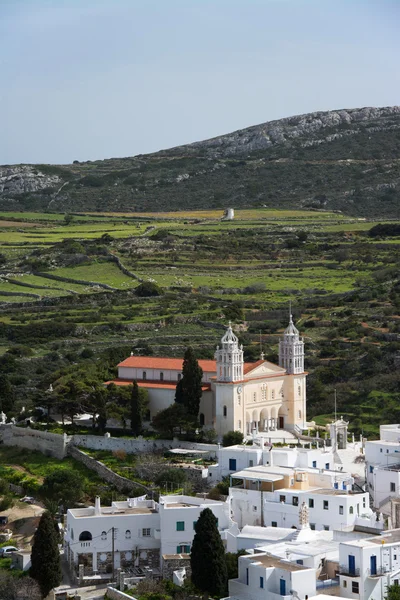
{"x":373,"y":565}
{"x":282,"y":589}
{"x":352,"y":565}
{"x":232,"y":464}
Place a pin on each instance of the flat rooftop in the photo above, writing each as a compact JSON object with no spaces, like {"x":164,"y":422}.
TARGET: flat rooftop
{"x":109,"y":512}
{"x":271,"y":561}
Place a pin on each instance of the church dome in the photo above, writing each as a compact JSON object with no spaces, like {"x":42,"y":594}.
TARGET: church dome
{"x":229,"y":336}
{"x":291,"y":329}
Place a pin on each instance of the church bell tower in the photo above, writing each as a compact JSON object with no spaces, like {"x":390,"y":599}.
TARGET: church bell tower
{"x":291,"y":350}
{"x":229,"y":358}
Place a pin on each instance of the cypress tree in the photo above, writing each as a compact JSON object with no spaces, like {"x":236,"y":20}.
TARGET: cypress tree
{"x":207,"y":558}
{"x":192,"y":375}
{"x":6,"y":394}
{"x":45,"y":557}
{"x":136,"y":411}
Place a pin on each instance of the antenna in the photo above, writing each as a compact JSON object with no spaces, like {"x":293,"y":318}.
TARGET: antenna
{"x":290,"y":310}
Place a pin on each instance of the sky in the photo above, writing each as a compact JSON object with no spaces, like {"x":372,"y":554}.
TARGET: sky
{"x":92,"y":79}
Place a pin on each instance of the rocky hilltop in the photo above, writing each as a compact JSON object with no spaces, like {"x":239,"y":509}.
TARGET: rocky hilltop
{"x":346,"y":160}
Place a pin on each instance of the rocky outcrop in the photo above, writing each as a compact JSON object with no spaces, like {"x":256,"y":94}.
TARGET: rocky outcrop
{"x":309,"y":129}
{"x":21,"y":179}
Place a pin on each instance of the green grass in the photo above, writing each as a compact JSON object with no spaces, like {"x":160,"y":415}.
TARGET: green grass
{"x":101,"y":272}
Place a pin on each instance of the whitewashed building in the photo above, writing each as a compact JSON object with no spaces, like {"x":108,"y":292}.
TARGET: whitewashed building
{"x":248,"y":397}
{"x":382,"y":465}
{"x":239,"y":457}
{"x":368,"y":566}
{"x":143,"y":531}
{"x":265,"y":577}
{"x":271,"y":496}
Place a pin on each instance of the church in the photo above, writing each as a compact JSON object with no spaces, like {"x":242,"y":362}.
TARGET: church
{"x":248,"y":397}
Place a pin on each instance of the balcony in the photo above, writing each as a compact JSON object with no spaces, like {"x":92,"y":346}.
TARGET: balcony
{"x":378,"y":572}
{"x":344,"y":570}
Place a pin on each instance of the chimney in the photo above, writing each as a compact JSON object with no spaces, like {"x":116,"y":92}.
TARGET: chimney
{"x":97,"y":507}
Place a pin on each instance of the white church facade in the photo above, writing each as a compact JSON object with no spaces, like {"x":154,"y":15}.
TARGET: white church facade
{"x":249,"y":397}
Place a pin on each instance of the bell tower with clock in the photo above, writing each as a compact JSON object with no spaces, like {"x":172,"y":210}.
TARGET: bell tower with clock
{"x":228,"y":384}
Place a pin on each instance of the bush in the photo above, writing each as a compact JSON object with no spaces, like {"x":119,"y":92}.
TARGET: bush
{"x":231,"y":438}
{"x":175,"y":477}
{"x":148,"y":288}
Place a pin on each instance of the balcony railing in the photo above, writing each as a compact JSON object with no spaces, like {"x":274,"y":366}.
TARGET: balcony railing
{"x":378,"y":572}
{"x":344,"y":570}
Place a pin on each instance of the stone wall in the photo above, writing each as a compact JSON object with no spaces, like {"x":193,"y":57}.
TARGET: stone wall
{"x":51,"y":444}
{"x":173,"y":563}
{"x":115,"y":594}
{"x":121,"y":483}
{"x":133,"y":445}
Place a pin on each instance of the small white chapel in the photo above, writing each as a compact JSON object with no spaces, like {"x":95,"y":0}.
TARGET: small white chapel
{"x":249,"y":397}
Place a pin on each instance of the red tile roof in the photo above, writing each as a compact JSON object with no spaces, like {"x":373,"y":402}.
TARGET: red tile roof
{"x":168,"y":385}
{"x":248,"y":367}
{"x":157,"y":362}
{"x":175,"y":364}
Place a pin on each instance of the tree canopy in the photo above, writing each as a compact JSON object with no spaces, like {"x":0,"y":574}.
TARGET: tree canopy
{"x":65,"y":486}
{"x":188,"y":390}
{"x":207,"y":558}
{"x":46,"y":566}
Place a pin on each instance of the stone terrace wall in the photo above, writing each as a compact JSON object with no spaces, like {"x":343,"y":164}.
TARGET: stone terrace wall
{"x":121,"y":483}
{"x":115,"y":594}
{"x":51,"y":444}
{"x":133,"y":445}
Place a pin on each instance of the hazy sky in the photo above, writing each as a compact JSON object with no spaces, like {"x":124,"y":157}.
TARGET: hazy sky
{"x":90,"y":79}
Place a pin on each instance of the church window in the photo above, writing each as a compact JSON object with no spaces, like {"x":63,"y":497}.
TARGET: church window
{"x":161,"y":376}
{"x":239,"y":400}
{"x":299,"y":390}
{"x":255,"y":396}
{"x":144,"y":375}
{"x":273,"y":394}
{"x":225,"y":411}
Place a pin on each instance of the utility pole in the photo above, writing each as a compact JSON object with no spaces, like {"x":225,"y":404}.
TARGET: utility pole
{"x":335,"y":407}
{"x":113,"y":552}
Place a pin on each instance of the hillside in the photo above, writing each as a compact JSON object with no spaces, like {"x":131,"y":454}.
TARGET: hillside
{"x":347,"y":160}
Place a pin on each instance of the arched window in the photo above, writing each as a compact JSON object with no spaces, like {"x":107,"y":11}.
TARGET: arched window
{"x":144,"y":375}
{"x":104,"y":535}
{"x":85,"y":536}
{"x":72,"y":534}
{"x":128,"y":534}
{"x":179,"y":376}
{"x":161,"y":376}
{"x":351,"y":510}
{"x":225,"y":411}
{"x":240,"y":425}
{"x":201,"y":419}
{"x":273,"y":394}
{"x":299,"y":390}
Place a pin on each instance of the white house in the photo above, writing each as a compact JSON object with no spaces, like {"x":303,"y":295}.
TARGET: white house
{"x":368,"y":566}
{"x":272,"y":496}
{"x":143,"y":531}
{"x":265,"y":577}
{"x":236,"y":395}
{"x":382,"y":465}
{"x":239,"y":457}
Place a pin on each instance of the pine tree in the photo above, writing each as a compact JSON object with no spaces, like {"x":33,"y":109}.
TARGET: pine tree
{"x":192,"y":375}
{"x":136,"y":410}
{"x":45,"y":557}
{"x":207,"y":558}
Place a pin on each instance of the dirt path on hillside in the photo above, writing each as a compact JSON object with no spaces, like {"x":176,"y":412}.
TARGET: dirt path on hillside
{"x":23,"y":520}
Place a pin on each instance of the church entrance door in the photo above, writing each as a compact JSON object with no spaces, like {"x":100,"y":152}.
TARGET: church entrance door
{"x":281,"y":422}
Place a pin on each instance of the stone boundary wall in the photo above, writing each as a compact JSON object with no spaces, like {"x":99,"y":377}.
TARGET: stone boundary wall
{"x":133,"y":445}
{"x":115,"y":594}
{"x":51,"y":444}
{"x":105,"y":286}
{"x":121,"y":483}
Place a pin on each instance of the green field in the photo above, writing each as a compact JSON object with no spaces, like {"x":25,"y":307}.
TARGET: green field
{"x":343,"y":286}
